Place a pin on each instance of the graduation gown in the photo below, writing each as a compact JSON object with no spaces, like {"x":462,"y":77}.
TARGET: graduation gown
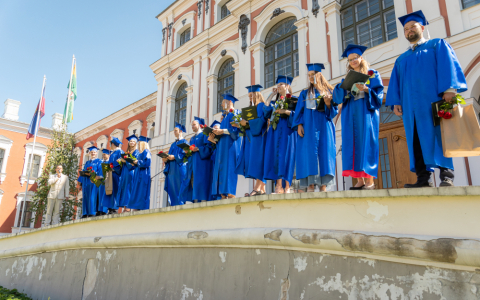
{"x":252,"y":153}
{"x":141,"y":182}
{"x":200,"y":167}
{"x":227,"y":150}
{"x":89,"y":190}
{"x":175,"y":172}
{"x":316,"y":150}
{"x":279,"y":161}
{"x":113,"y":201}
{"x":102,"y":195}
{"x":360,"y":128}
{"x":419,"y":78}
{"x":126,"y":179}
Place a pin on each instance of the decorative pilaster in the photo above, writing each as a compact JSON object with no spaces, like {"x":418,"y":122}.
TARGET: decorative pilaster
{"x":212,"y":86}
{"x":243,"y":28}
{"x":258,"y":52}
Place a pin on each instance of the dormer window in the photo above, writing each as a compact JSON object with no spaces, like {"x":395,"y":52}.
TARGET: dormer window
{"x":185,"y":36}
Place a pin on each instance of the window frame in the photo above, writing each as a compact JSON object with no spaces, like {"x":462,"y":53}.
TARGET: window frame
{"x":224,"y":6}
{"x":183,"y":35}
{"x":2,"y":158}
{"x":31,"y":165}
{"x":183,"y":86}
{"x":290,"y":35}
{"x":221,"y":90}
{"x":465,"y":7}
{"x":356,"y":23}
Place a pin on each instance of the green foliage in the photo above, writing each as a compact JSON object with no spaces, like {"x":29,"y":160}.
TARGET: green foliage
{"x":60,"y":152}
{"x":6,"y":294}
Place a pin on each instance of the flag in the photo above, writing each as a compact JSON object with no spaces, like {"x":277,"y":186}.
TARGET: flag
{"x":32,"y":130}
{"x":72,"y":95}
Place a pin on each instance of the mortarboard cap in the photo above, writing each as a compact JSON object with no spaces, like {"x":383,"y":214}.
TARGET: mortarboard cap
{"x":315,"y":67}
{"x":352,"y":48}
{"x":106,"y":151}
{"x":93,"y":148}
{"x":181,"y":127}
{"x":200,"y":120}
{"x":285,"y":79}
{"x":143,"y":139}
{"x":215,"y":123}
{"x":115,"y":141}
{"x":229,"y":97}
{"x":254,"y":88}
{"x":417,"y":16}
{"x":132,"y":137}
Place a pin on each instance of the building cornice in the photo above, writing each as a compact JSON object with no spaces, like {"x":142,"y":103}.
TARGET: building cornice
{"x":21,"y":127}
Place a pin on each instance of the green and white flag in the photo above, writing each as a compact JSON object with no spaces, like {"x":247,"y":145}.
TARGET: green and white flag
{"x":72,"y":94}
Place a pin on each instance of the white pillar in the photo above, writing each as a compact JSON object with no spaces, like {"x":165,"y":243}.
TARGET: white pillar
{"x":258,"y":52}
{"x":332,"y":11}
{"x":203,"y":89}
{"x":191,"y":105}
{"x":208,"y":14}
{"x":302,"y":54}
{"x":200,"y":17}
{"x":212,"y":86}
{"x":169,"y":119}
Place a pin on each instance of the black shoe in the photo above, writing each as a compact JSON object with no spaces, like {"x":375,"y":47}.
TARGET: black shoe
{"x":99,"y":213}
{"x":418,"y":185}
{"x":84,"y":216}
{"x":111,"y":211}
{"x":446,"y":182}
{"x":354,"y":188}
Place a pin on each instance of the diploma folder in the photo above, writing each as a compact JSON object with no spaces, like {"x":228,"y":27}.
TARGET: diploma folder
{"x":84,"y":173}
{"x":163,"y":155}
{"x":435,"y":109}
{"x":184,"y":146}
{"x":207,"y":130}
{"x":352,"y":78}
{"x":249,"y":113}
{"x":105,"y":168}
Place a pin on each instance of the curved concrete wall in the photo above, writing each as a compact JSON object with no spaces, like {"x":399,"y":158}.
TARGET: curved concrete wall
{"x":397,"y":242}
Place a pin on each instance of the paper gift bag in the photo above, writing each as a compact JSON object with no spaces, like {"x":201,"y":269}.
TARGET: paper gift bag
{"x":461,"y":133}
{"x":108,"y":183}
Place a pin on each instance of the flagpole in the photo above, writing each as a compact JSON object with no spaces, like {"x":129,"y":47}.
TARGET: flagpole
{"x":22,"y":207}
{"x":69,"y":90}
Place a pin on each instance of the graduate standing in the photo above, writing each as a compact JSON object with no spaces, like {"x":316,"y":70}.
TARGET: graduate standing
{"x":103,"y":197}
{"x":200,"y":167}
{"x":213,"y":139}
{"x":315,"y":151}
{"x":360,"y":121}
{"x":251,"y":158}
{"x":128,"y":170}
{"x":141,"y":183}
{"x":175,"y":169}
{"x":89,"y":190}
{"x":427,"y":72}
{"x":224,"y":182}
{"x":113,"y":202}
{"x":281,"y":139}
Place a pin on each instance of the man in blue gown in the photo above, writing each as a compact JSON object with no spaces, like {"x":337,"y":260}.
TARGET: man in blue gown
{"x":89,"y":190}
{"x":427,"y":72}
{"x":117,"y":152}
{"x":224,"y":182}
{"x":199,"y":167}
{"x":103,"y":197}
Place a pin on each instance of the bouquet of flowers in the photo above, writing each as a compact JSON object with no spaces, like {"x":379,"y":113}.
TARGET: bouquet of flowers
{"x":106,"y":168}
{"x":162,"y":154}
{"x":281,"y":103}
{"x":128,"y":157}
{"x":236,"y":120}
{"x":93,"y":177}
{"x":446,"y":107}
{"x":188,"y":153}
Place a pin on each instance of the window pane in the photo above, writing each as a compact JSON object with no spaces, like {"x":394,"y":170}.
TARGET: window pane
{"x":36,"y":165}
{"x":361,"y":10}
{"x":468,"y":3}
{"x":282,"y":28}
{"x":376,"y":29}
{"x":269,"y":75}
{"x":2,"y":155}
{"x":387,"y":3}
{"x":347,"y":17}
{"x":380,"y":144}
{"x":228,"y":81}
{"x":283,"y":67}
{"x":296,"y":64}
{"x":389,"y":179}
{"x":269,"y":54}
{"x":27,"y":214}
{"x":348,"y":37}
{"x":283,"y":47}
{"x":390,"y":25}
{"x":373,"y":7}
{"x":295,"y":41}
{"x":370,"y":33}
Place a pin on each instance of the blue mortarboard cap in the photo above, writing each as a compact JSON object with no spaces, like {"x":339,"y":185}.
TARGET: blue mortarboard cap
{"x":106,"y":151}
{"x":417,"y":16}
{"x":254,"y":88}
{"x":115,"y":141}
{"x":200,"y":120}
{"x":315,"y":67}
{"x":352,"y":48}
{"x":229,"y":97}
{"x":92,"y":148}
{"x":181,"y":127}
{"x":132,"y":137}
{"x":285,"y":79}
{"x":143,"y":139}
{"x":215,"y":123}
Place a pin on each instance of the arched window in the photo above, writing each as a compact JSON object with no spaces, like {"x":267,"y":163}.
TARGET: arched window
{"x":184,"y":36}
{"x":181,"y":104}
{"x":226,"y":81}
{"x":281,"y":51}
{"x":224,"y":11}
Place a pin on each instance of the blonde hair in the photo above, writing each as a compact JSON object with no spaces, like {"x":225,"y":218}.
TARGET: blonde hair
{"x":142,"y":146}
{"x":321,"y":86}
{"x":130,"y":148}
{"x":364,"y":66}
{"x":257,"y":98}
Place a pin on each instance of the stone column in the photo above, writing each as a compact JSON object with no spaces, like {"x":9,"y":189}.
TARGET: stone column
{"x":212,"y":107}
{"x":203,"y":89}
{"x":170,"y":116}
{"x":190,"y":106}
{"x":258,"y":52}
{"x":302,"y":51}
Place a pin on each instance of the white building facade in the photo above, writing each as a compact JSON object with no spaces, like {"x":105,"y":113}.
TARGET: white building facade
{"x":212,"y":47}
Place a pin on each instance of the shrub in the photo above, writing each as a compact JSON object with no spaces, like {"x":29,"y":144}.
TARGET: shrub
{"x":6,"y":294}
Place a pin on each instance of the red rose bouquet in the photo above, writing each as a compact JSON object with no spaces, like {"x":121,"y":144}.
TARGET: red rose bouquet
{"x":445,"y":108}
{"x":188,"y":153}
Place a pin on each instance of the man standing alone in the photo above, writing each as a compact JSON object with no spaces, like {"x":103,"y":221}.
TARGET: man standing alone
{"x":59,"y":191}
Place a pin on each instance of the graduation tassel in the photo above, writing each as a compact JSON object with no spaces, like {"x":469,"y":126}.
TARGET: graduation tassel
{"x":428,"y":33}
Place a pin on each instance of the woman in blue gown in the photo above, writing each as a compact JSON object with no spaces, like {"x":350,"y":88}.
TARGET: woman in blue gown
{"x":90,"y":191}
{"x":250,"y":163}
{"x":315,"y":151}
{"x":128,"y":170}
{"x":175,"y":169}
{"x":360,"y":121}
{"x":140,"y":197}
{"x":112,"y":202}
{"x":279,"y":162}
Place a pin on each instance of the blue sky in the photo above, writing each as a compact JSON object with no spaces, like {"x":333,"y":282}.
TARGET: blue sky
{"x":114,"y":43}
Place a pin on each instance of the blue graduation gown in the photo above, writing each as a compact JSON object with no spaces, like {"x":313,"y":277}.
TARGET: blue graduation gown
{"x":89,"y":190}
{"x":227,"y":149}
{"x":360,"y":127}
{"x":113,"y":202}
{"x":102,"y":195}
{"x":250,"y":162}
{"x":316,"y":150}
{"x":419,"y":78}
{"x":200,"y":167}
{"x":141,"y":182}
{"x":175,"y":172}
{"x":279,"y":161}
{"x":126,"y":179}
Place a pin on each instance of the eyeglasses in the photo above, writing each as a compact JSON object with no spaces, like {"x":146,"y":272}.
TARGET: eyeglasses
{"x":353,"y":59}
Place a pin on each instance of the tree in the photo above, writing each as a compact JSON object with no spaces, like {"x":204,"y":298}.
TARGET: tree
{"x":60,"y":152}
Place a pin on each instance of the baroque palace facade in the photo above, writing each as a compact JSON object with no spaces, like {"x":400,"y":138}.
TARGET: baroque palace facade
{"x":215,"y":46}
